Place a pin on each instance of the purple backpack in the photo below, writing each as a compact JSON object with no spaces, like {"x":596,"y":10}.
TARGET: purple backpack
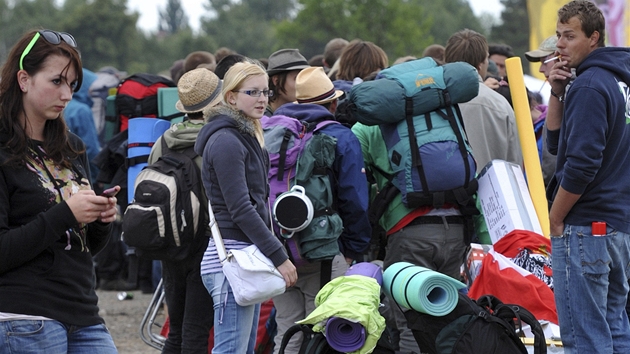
{"x":289,"y":142}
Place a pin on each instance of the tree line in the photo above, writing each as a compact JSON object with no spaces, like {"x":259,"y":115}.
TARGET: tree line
{"x":107,"y":32}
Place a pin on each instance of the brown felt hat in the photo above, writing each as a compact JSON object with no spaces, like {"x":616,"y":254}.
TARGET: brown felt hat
{"x":312,"y":85}
{"x":286,"y":60}
{"x":198,"y":89}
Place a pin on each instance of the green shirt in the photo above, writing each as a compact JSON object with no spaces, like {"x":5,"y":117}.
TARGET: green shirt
{"x":375,"y":155}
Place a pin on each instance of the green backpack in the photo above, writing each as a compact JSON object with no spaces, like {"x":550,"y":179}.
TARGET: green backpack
{"x":415,"y":106}
{"x":301,"y":160}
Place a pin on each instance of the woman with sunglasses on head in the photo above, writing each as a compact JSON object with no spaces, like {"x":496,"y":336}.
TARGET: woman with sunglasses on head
{"x":51,"y":221}
{"x":234,"y":174}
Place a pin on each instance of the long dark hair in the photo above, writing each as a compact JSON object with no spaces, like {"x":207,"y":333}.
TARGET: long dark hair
{"x":13,"y":135}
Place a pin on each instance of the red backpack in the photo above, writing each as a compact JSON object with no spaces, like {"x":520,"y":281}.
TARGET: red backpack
{"x":137,"y":97}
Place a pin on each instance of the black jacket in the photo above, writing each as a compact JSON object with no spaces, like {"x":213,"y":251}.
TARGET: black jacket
{"x":46,"y":264}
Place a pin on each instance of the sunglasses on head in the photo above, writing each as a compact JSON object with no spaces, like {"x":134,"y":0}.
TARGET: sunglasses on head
{"x":51,"y":37}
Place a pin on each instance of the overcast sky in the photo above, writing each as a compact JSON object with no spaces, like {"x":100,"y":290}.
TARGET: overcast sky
{"x":194,"y":9}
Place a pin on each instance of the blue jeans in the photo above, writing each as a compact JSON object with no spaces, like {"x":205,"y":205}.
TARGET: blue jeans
{"x":235,"y":326}
{"x":590,"y":277}
{"x":53,"y":337}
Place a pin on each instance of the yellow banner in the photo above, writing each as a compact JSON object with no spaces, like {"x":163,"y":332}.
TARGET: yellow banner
{"x":543,"y":15}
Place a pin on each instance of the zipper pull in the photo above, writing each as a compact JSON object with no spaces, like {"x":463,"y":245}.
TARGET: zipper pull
{"x":183,"y":216}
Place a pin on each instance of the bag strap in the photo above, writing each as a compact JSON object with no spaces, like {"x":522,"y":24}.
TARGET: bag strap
{"x":391,"y":287}
{"x":521,"y":314}
{"x":325,"y":272}
{"x":490,"y":302}
{"x":290,"y":332}
{"x":172,"y":116}
{"x":488,"y":317}
{"x":189,"y":151}
{"x":452,"y":120}
{"x":381,"y":201}
{"x":216,"y":235}
{"x":416,"y":160}
{"x":283,"y":153}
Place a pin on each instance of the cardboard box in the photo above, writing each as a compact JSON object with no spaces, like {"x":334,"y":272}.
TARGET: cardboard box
{"x":505,"y":201}
{"x":473,"y":262}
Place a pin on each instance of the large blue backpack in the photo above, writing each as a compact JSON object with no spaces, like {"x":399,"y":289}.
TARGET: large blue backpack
{"x":415,"y":106}
{"x":302,"y":156}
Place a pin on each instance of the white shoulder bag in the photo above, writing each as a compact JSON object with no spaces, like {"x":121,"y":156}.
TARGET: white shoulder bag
{"x":252,"y":276}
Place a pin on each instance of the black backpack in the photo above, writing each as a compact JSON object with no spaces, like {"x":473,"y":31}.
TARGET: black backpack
{"x":484,"y":326}
{"x":166,"y":215}
{"x":315,"y":342}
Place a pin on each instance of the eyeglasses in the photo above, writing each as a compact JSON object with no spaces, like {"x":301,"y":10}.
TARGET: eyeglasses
{"x":51,"y":37}
{"x":257,"y":93}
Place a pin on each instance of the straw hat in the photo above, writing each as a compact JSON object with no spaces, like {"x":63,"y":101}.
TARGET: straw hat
{"x":312,"y":85}
{"x":286,"y":60}
{"x":547,"y":47}
{"x":198,"y":89}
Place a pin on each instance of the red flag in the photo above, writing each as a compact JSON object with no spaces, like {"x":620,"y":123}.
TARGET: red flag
{"x":515,"y":241}
{"x":500,"y":277}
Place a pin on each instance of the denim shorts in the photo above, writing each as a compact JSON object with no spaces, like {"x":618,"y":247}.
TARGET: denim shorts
{"x":53,"y":337}
{"x":590,"y":276}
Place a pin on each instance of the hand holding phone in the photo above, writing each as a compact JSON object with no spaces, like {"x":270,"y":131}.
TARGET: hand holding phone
{"x":110,"y":192}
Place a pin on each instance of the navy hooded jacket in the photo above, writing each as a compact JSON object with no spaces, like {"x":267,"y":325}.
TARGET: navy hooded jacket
{"x":593,"y":143}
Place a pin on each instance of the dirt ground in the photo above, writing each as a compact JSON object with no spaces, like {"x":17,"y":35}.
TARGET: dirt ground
{"x":123,"y":319}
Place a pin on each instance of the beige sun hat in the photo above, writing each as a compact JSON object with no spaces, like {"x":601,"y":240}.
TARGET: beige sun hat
{"x":547,"y":47}
{"x":312,"y":85}
{"x":198,"y":89}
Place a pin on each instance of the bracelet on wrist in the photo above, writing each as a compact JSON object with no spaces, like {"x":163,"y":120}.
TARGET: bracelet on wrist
{"x":559,"y":97}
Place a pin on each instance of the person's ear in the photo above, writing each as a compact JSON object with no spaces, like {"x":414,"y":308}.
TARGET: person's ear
{"x":594,"y":40}
{"x":23,"y":77}
{"x":333,"y":106}
{"x":230,"y":98}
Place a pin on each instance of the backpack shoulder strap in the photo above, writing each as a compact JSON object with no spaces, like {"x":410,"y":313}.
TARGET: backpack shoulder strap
{"x":324,"y":123}
{"x":173,"y":116}
{"x":288,"y":335}
{"x":381,"y":201}
{"x":305,"y":329}
{"x":189,"y":151}
{"x":521,"y":314}
{"x":488,"y":301}
{"x":164,"y":146}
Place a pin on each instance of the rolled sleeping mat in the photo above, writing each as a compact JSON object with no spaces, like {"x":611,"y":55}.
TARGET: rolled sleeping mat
{"x":430,"y":87}
{"x":143,"y":132}
{"x":421,"y":289}
{"x":343,"y":335}
{"x":367,"y":269}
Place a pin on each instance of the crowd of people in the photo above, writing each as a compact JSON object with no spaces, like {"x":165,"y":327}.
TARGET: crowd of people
{"x":53,"y":223}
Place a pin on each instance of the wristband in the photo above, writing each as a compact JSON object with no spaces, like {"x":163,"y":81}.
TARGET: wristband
{"x":559,"y":97}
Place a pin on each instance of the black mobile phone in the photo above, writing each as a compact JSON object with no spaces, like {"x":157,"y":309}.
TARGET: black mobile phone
{"x":110,"y":192}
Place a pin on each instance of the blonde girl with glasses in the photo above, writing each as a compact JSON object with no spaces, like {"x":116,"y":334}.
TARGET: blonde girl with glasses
{"x":51,"y":221}
{"x":234,"y":174}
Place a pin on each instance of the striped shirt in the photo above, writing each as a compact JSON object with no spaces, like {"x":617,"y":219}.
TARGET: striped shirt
{"x":210,"y":262}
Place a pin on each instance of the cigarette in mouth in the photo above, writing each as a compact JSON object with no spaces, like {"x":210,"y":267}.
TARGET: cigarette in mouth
{"x":558,"y":57}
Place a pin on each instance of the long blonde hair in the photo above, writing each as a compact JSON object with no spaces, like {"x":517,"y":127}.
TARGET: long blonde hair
{"x":233,"y":80}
